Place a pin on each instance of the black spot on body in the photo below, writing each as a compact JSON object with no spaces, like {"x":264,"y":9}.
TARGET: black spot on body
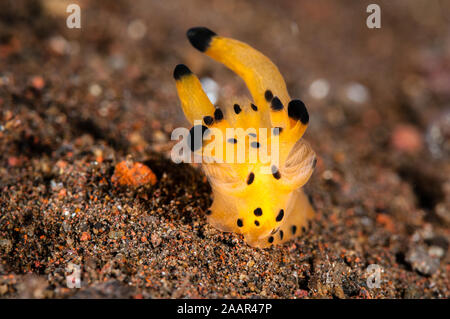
{"x":280,"y":215}
{"x":240,"y":223}
{"x":208,"y":212}
{"x":237,"y":108}
{"x":180,"y":71}
{"x":250,"y":178}
{"x":196,"y":137}
{"x":270,"y":239}
{"x":277,"y":130}
{"x":276,"y":104}
{"x":311,"y":201}
{"x":293,"y":229}
{"x":254,"y":107}
{"x":200,"y":37}
{"x":255,"y":144}
{"x":252,"y":134}
{"x":268,"y":95}
{"x":208,"y":120}
{"x":256,"y":222}
{"x":258,"y":212}
{"x":232,"y":140}
{"x":303,"y":229}
{"x":275,"y":172}
{"x":281,"y":234}
{"x":297,"y":111}
{"x":218,"y":115}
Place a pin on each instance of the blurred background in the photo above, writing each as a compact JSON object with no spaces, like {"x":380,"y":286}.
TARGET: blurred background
{"x":74,"y":102}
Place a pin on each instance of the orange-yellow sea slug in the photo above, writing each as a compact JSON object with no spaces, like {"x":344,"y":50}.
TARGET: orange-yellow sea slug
{"x":258,"y":196}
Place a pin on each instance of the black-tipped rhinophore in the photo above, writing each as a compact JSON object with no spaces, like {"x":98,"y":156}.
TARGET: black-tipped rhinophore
{"x":195,"y":139}
{"x":276,"y":104}
{"x":297,"y":111}
{"x":200,"y":37}
{"x":180,"y":71}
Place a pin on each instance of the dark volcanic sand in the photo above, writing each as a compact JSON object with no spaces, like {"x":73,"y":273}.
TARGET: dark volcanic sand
{"x":74,"y":103}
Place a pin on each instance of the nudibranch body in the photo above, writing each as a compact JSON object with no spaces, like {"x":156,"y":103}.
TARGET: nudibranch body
{"x":258,"y":198}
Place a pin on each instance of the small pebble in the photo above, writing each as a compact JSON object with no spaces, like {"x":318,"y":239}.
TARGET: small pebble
{"x":436,"y":251}
{"x":38,"y":82}
{"x":137,"y":29}
{"x":407,"y":138}
{"x":85,"y":236}
{"x":95,"y":90}
{"x":128,"y":173}
{"x":155,"y":239}
{"x":59,"y":45}
{"x":319,"y":89}
{"x":211,"y":89}
{"x":437,"y":136}
{"x":421,"y":261}
{"x":357,"y":93}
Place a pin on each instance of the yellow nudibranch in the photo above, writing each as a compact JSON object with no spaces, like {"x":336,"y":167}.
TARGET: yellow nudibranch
{"x":262,"y":201}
